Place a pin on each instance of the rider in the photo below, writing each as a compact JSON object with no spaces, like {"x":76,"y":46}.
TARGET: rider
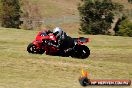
{"x":65,"y":42}
{"x":59,"y":33}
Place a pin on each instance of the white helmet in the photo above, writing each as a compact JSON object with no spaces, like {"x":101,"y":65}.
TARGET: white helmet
{"x":58,"y":31}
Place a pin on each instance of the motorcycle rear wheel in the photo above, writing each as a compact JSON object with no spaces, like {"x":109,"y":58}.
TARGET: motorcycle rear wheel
{"x":81,"y":51}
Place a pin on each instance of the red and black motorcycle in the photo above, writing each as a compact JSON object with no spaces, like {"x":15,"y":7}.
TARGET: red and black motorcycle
{"x":43,"y":44}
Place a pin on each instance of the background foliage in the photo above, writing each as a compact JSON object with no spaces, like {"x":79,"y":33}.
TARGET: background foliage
{"x":130,"y":1}
{"x":31,"y":15}
{"x":10,"y":13}
{"x":124,"y":28}
{"x":97,"y":15}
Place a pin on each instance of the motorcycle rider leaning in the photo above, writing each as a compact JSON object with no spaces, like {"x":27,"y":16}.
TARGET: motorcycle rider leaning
{"x":64,"y":42}
{"x":60,"y":35}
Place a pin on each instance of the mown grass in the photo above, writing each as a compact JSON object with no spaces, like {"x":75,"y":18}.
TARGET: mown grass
{"x":111,"y":58}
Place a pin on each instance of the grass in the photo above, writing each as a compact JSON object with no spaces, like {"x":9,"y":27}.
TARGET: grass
{"x":111,"y":58}
{"x":125,"y":3}
{"x":57,"y":8}
{"x":60,"y":8}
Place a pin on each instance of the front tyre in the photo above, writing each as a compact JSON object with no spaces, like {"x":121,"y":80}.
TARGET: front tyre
{"x":33,"y":49}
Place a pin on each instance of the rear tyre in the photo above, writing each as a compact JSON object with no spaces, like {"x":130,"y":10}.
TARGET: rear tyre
{"x":81,"y":52}
{"x":84,"y":52}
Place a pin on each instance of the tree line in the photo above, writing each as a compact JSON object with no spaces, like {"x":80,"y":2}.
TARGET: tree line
{"x":96,"y":16}
{"x":19,"y":14}
{"x":10,"y":13}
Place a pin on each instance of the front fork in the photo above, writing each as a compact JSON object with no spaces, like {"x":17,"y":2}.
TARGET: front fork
{"x":38,"y":44}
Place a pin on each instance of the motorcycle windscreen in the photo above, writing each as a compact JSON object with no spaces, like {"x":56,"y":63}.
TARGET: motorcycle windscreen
{"x":43,"y":34}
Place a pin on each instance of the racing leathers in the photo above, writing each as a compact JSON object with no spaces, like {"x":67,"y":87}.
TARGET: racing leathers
{"x":64,"y":43}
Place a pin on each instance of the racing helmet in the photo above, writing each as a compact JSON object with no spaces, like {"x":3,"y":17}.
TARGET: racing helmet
{"x":58,"y":31}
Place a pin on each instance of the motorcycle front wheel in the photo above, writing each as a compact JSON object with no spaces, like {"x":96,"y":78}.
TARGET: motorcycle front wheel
{"x":33,"y":49}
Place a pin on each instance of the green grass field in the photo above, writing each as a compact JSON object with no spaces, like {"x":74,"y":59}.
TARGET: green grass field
{"x":111,"y":58}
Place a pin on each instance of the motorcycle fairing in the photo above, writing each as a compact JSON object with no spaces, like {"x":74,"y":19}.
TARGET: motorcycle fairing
{"x":81,"y":40}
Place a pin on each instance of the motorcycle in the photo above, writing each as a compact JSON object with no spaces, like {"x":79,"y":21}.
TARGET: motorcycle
{"x":44,"y":44}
